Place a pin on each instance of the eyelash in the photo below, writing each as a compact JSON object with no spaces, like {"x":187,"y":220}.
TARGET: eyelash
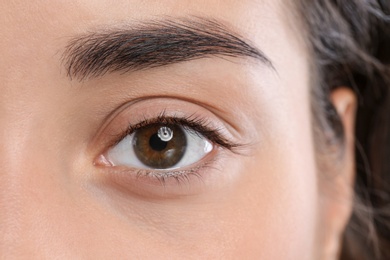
{"x":179,"y":176}
{"x":194,"y":124}
{"x":198,"y":125}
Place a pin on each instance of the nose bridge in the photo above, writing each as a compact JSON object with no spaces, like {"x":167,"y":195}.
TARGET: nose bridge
{"x":29,"y":179}
{"x":23,"y":181}
{"x":13,"y":217}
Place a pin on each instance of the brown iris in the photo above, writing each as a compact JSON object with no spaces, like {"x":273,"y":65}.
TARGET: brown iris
{"x":160,"y":146}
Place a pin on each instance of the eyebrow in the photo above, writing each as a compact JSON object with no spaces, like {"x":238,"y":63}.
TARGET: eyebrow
{"x":153,"y":44}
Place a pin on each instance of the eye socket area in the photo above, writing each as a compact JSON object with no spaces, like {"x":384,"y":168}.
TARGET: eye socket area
{"x":160,"y":147}
{"x":211,"y":143}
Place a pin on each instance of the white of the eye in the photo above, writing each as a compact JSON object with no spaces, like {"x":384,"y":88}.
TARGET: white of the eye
{"x":197,"y":148}
{"x":123,"y":153}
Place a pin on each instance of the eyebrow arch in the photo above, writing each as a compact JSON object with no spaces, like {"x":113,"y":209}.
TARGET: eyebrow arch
{"x":153,"y":44}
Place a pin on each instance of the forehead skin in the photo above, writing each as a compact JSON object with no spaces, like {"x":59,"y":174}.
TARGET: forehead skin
{"x":49,"y":205}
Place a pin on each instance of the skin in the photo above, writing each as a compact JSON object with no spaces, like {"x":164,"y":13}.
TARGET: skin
{"x":60,"y":198}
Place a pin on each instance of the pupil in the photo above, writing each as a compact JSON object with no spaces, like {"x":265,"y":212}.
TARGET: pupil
{"x":156,"y":143}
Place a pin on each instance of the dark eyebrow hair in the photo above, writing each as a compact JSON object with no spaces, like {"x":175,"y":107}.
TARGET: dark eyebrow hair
{"x":153,"y":44}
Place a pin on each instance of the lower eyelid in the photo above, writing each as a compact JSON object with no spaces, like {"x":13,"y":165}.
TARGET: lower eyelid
{"x":153,"y":175}
{"x":165,"y":184}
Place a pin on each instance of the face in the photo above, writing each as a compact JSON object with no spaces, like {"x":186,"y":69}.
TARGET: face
{"x":205,"y":155}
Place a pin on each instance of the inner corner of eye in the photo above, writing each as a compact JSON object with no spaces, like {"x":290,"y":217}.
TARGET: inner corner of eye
{"x":102,"y":160}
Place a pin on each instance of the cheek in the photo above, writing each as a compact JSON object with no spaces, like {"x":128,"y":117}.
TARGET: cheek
{"x":278,"y":199}
{"x":283,"y":205}
{"x":282,"y":175}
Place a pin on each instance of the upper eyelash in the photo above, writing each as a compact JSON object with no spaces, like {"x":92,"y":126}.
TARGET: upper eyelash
{"x":196,"y":125}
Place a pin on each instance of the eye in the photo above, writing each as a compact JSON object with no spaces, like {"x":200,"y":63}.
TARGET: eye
{"x":160,"y":146}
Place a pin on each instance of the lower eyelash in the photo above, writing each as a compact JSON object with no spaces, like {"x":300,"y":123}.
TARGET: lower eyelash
{"x":180,"y":176}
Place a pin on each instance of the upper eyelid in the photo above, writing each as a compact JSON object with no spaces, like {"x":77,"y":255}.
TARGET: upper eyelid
{"x":117,"y":123}
{"x":166,"y":110}
{"x":192,"y":123}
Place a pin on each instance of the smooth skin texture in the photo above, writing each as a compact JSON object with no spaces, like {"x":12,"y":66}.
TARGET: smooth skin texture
{"x":267,"y":201}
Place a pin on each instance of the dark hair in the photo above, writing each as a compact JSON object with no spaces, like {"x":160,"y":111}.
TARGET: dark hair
{"x":350,"y":43}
